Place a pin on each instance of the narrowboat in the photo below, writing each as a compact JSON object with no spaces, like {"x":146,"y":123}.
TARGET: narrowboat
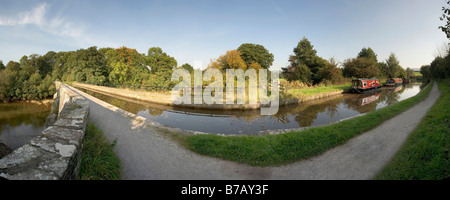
{"x":364,"y":85}
{"x":394,"y":82}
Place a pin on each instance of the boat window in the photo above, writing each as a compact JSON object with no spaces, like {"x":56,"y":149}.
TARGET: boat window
{"x":365,"y":84}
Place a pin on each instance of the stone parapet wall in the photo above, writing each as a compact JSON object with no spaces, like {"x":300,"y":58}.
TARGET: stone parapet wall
{"x":55,"y":154}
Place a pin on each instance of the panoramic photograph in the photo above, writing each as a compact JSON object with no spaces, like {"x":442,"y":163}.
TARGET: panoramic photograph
{"x":224,"y":90}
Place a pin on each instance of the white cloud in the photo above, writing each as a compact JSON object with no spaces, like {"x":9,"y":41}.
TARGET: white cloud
{"x":37,"y":16}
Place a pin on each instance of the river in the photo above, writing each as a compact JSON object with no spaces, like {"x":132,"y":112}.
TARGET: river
{"x":21,"y":121}
{"x":312,"y":113}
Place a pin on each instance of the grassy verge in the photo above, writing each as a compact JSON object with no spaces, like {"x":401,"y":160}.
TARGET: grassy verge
{"x":317,"y":90}
{"x":98,"y":161}
{"x":273,"y":150}
{"x":425,"y":154}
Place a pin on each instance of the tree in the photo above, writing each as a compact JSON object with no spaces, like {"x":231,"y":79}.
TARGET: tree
{"x":255,"y":53}
{"x":331,"y":73}
{"x":188,"y":67}
{"x":401,"y":73}
{"x":302,"y":73}
{"x":2,"y":66}
{"x":392,"y":66}
{"x":162,"y":66}
{"x":367,"y":53}
{"x":13,"y":66}
{"x":425,"y":71}
{"x":409,"y":73}
{"x":437,"y":68}
{"x":305,"y":54}
{"x":231,"y":60}
{"x":446,"y":17}
{"x":360,"y":68}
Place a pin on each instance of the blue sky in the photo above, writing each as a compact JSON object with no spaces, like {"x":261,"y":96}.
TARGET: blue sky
{"x":196,"y":31}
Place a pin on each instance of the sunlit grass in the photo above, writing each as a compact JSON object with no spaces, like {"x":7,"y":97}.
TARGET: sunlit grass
{"x":99,"y":161}
{"x":307,"y":91}
{"x":425,"y":154}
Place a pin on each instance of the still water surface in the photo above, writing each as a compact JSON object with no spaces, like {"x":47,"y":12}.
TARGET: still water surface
{"x":312,"y":113}
{"x":21,"y":121}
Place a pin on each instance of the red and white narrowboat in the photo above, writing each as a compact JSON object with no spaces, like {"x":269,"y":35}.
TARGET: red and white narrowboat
{"x":364,"y":85}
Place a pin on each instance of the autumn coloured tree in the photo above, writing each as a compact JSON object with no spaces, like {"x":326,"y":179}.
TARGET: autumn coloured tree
{"x":231,"y":60}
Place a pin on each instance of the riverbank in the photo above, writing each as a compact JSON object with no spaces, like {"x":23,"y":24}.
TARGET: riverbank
{"x":424,"y":156}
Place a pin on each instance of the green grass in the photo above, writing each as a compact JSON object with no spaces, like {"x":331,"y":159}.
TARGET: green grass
{"x":98,"y":161}
{"x":274,"y":150}
{"x":417,"y":74}
{"x":425,"y":154}
{"x":317,"y":90}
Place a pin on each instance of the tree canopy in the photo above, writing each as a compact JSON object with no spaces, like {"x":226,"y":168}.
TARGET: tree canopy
{"x":255,"y":53}
{"x":360,"y":68}
{"x":231,"y":60}
{"x":367,"y":53}
{"x":305,"y":55}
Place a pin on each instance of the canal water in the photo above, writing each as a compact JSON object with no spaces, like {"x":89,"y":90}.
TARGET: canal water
{"x":21,"y":121}
{"x":312,"y":113}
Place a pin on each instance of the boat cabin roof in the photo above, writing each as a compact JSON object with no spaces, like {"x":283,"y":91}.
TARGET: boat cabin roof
{"x":365,"y":79}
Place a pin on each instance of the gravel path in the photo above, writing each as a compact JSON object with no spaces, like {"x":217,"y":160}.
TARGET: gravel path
{"x":147,"y":154}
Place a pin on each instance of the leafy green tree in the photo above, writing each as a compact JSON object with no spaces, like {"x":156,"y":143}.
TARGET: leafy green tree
{"x":360,"y":68}
{"x":367,"y":53}
{"x":393,"y":68}
{"x":401,"y":73}
{"x":126,"y":66}
{"x":425,"y":71}
{"x":437,"y":68}
{"x":13,"y":66}
{"x":161,"y":66}
{"x":331,"y":73}
{"x":305,"y":54}
{"x":188,"y":67}
{"x":302,"y":73}
{"x":255,"y":53}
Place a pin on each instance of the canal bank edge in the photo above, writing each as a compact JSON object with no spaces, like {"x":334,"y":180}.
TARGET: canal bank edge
{"x":167,"y":100}
{"x":55,"y":153}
